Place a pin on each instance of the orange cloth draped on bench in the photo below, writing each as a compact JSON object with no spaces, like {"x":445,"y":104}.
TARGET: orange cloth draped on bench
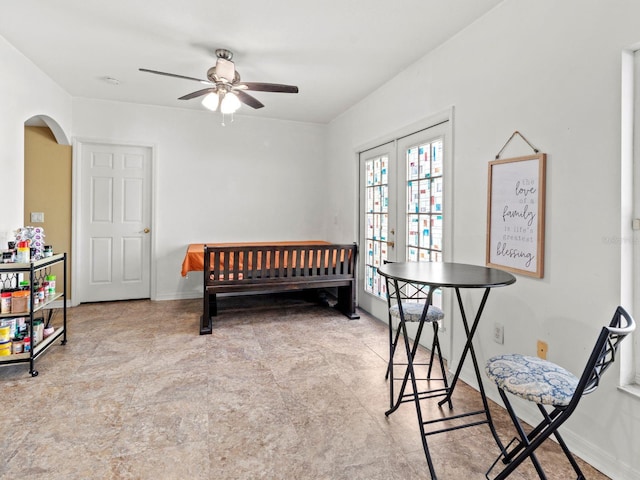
{"x":194,"y":258}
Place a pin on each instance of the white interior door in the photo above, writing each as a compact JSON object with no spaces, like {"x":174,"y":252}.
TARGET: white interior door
{"x":114,"y":222}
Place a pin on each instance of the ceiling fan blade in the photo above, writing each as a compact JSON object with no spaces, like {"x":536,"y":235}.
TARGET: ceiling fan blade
{"x":198,"y":93}
{"x":266,"y":87}
{"x":248,"y":99}
{"x":206,"y":82}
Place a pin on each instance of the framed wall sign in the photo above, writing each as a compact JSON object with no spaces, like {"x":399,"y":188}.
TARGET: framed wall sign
{"x":515,"y":214}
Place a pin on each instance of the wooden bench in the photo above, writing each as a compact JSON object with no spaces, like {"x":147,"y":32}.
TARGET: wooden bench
{"x":265,"y":268}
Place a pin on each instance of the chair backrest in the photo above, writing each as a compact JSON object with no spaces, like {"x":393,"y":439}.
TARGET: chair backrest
{"x":604,"y":352}
{"x":406,"y":290}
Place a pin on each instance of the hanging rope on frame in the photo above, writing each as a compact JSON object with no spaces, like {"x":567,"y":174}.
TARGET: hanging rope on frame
{"x":511,"y":138}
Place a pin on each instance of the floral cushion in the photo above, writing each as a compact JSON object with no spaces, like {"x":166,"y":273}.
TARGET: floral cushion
{"x":532,"y":378}
{"x":413,"y":311}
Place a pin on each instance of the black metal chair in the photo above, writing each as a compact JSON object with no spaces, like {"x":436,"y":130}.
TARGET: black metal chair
{"x":547,"y":384}
{"x":406,"y":302}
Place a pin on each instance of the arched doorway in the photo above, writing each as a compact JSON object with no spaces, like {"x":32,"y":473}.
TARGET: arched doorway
{"x":47,"y":184}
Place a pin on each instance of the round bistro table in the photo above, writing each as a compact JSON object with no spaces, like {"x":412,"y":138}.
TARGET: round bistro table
{"x":437,"y":275}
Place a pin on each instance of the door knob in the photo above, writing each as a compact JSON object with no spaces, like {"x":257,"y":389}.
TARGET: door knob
{"x":146,"y":230}
{"x":391,"y":244}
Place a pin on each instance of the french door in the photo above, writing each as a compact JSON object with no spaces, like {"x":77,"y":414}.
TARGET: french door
{"x":403,"y":209}
{"x":378,"y":209}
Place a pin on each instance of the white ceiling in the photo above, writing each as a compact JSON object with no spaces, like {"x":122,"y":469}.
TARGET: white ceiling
{"x":335,"y":51}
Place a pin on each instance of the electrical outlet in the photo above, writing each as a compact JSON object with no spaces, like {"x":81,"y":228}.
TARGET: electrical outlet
{"x":37,"y":217}
{"x":542,"y":349}
{"x":498,"y":333}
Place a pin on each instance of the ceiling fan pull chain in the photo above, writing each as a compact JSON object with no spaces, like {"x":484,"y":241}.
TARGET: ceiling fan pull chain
{"x":223,"y":114}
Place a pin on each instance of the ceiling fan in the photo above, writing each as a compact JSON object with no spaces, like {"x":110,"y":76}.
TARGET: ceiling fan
{"x":225,"y":88}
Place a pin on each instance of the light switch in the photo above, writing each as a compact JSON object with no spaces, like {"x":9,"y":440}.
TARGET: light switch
{"x":37,"y":217}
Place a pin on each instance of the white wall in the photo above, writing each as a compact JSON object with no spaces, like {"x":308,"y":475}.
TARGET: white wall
{"x":24,"y":93}
{"x":552,"y":71}
{"x":254,"y":179}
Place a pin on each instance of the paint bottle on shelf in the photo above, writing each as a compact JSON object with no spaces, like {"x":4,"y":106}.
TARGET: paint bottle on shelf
{"x":23,"y":254}
{"x":51,"y":280}
{"x":5,"y":302}
{"x":38,"y":331}
{"x":36,"y":297}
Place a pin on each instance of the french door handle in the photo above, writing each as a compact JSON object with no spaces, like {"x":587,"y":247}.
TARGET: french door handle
{"x":391,"y":244}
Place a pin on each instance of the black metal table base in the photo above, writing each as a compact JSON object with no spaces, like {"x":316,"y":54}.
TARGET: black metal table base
{"x":446,"y":392}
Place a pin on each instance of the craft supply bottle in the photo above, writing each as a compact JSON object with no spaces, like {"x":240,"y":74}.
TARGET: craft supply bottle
{"x":5,"y":302}
{"x":24,"y":253}
{"x":38,"y":331}
{"x":52,"y":284}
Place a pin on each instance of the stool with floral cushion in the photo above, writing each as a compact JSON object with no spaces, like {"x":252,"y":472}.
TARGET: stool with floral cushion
{"x":406,"y":302}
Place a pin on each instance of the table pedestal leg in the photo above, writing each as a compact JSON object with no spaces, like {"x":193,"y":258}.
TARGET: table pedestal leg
{"x":468,"y":348}
{"x":414,"y":384}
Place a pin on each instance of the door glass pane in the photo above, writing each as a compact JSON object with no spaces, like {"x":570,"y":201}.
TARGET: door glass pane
{"x":377,"y":222}
{"x":424,"y":215}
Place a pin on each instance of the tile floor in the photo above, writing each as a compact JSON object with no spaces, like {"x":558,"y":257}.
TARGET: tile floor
{"x":282,"y":389}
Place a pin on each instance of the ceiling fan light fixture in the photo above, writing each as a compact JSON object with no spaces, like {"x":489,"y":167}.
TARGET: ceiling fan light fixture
{"x":211,"y":101}
{"x":230,"y":103}
{"x":224,"y":88}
